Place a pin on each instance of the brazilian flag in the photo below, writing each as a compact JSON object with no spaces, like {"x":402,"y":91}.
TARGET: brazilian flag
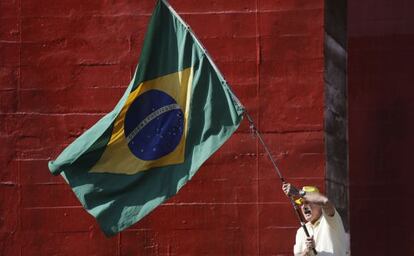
{"x":176,"y":112}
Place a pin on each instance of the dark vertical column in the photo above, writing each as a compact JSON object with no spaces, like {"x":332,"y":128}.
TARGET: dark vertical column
{"x":336,"y":106}
{"x":381,"y":125}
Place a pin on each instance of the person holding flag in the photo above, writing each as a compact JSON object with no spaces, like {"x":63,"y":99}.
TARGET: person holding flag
{"x":325,"y":227}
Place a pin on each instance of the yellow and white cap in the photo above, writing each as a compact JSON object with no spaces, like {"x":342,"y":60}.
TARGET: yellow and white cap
{"x":306,"y":189}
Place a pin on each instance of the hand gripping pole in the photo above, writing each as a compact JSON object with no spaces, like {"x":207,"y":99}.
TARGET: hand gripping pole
{"x":292,"y":202}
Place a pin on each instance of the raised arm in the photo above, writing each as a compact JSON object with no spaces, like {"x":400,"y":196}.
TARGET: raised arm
{"x":310,"y":197}
{"x":322,"y":200}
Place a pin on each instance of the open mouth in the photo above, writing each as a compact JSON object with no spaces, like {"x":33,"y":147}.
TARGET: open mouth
{"x":307,"y":212}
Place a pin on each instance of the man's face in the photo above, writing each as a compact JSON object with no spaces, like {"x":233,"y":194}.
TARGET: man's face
{"x":311,"y":212}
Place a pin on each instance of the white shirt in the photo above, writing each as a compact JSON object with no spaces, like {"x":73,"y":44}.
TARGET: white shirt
{"x":329,"y":235}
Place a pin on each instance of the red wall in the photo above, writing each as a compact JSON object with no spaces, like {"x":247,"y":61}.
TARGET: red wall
{"x":381,"y":125}
{"x":63,"y":64}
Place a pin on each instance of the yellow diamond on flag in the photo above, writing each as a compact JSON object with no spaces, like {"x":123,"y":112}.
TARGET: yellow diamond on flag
{"x":151,"y":129}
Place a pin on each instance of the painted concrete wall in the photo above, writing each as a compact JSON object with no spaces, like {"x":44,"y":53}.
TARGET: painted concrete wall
{"x":381,"y":121}
{"x":64,"y":64}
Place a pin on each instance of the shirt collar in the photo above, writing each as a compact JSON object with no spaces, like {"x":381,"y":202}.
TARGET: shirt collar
{"x":316,"y":223}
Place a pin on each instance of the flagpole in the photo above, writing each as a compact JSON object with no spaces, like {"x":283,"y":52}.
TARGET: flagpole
{"x":292,"y":202}
{"x":252,"y":126}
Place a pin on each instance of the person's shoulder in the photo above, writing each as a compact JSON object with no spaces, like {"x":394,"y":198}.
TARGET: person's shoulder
{"x":299,"y":239}
{"x":299,"y":232}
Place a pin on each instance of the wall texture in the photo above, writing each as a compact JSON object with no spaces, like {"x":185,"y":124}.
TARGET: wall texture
{"x":64,"y":64}
{"x":381,"y":121}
